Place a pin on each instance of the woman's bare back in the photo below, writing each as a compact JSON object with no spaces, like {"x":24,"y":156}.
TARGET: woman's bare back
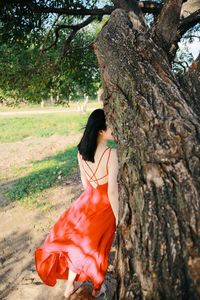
{"x":97,"y":172}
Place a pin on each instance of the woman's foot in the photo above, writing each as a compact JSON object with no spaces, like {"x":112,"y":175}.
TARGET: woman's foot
{"x":72,"y":288}
{"x":98,"y":293}
{"x":69,"y":290}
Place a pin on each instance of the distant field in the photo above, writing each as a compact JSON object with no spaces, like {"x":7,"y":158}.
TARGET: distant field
{"x":17,"y":127}
{"x":20,"y":127}
{"x":72,"y":105}
{"x":28,"y":182}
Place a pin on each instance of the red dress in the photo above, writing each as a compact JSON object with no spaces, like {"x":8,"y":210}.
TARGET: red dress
{"x":81,"y":238}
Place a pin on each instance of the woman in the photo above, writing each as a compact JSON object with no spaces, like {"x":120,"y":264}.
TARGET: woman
{"x":79,"y":244}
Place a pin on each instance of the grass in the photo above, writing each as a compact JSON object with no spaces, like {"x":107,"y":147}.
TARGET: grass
{"x":17,"y":128}
{"x":32,"y":181}
{"x":43,"y":175}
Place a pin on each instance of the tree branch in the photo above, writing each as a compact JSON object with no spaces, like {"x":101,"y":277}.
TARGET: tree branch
{"x":106,"y":10}
{"x":190,"y":82}
{"x":48,"y":34}
{"x":191,"y":36}
{"x":130,"y":6}
{"x":68,"y":42}
{"x":80,"y":25}
{"x":164,"y":31}
{"x":189,"y":7}
{"x":184,"y":25}
{"x":150,"y":7}
{"x":181,"y":63}
{"x":188,"y":22}
{"x":74,"y":30}
{"x":145,"y":6}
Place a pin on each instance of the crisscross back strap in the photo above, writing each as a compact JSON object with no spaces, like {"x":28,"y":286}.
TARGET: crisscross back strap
{"x":93,"y":177}
{"x":94,"y":173}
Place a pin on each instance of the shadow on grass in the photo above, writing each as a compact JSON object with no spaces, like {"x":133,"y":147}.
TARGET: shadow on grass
{"x":51,"y":171}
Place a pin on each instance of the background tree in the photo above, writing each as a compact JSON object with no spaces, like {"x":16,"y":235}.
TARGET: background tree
{"x":155,"y":115}
{"x":28,"y":71}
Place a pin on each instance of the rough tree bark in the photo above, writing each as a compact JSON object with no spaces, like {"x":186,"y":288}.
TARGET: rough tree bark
{"x":158,"y":137}
{"x":191,"y":82}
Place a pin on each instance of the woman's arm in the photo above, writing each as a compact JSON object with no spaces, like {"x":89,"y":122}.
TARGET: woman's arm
{"x":112,"y":183}
{"x":83,"y":176}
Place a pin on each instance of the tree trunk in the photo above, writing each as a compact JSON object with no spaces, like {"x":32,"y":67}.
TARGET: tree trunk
{"x":158,"y":137}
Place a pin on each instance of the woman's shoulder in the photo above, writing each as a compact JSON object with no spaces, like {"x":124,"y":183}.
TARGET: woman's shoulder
{"x":112,"y":150}
{"x":113,"y":154}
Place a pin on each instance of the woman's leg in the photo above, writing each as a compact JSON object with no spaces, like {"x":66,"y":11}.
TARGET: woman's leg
{"x":70,"y":287}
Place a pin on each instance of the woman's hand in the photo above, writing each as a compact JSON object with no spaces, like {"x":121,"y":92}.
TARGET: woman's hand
{"x":116,"y":221}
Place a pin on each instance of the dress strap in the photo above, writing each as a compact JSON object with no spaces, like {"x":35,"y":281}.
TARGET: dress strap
{"x":89,"y":176}
{"x":93,"y":174}
{"x":93,"y":177}
{"x":98,"y":163}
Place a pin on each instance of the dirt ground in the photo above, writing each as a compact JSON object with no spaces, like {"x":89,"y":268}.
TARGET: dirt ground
{"x":23,"y":229}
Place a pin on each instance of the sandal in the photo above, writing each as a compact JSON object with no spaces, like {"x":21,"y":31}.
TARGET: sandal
{"x":98,"y":293}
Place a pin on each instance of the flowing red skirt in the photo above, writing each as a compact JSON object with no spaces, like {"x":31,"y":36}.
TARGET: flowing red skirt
{"x":80,"y":240}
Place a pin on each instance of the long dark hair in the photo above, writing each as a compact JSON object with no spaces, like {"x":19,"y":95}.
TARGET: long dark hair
{"x":88,"y":144}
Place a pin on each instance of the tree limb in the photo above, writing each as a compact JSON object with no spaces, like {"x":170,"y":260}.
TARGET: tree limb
{"x":106,"y":10}
{"x":80,"y":25}
{"x":74,"y":30}
{"x":150,"y":7}
{"x":145,"y":6}
{"x":189,"y":7}
{"x":48,"y":34}
{"x":188,"y":22}
{"x":190,"y":82}
{"x":190,"y":36}
{"x":68,"y":42}
{"x":184,"y":25}
{"x":165,"y":29}
{"x":131,"y":6}
{"x":181,"y":63}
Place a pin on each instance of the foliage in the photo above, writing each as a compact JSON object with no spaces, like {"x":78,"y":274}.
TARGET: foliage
{"x":184,"y":56}
{"x":63,"y":72}
{"x":29,"y":74}
{"x":183,"y":59}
